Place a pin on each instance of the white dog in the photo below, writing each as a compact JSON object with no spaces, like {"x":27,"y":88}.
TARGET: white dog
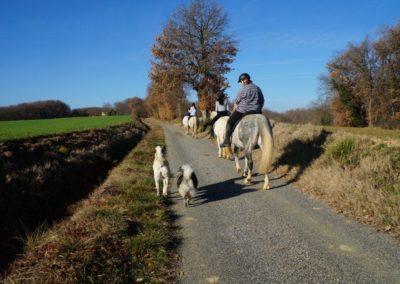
{"x":161,"y":170}
{"x":187,"y":183}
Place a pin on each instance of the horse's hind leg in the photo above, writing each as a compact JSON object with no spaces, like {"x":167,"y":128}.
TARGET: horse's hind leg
{"x":249,"y":167}
{"x":236,"y":156}
{"x":266,"y":182}
{"x":219,"y":148}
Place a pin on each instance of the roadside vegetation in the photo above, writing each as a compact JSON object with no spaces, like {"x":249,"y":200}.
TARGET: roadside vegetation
{"x":41,"y":177}
{"x":121,"y":234}
{"x":19,"y":129}
{"x":359,"y":175}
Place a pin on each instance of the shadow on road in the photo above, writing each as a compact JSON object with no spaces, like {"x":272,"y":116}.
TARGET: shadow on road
{"x":222,"y":190}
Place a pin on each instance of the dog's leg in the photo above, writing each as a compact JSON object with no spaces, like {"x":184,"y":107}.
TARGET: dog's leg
{"x":165,"y":186}
{"x":156,"y":181}
{"x":186,"y":199}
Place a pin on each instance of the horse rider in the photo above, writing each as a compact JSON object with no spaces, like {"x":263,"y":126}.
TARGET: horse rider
{"x":222,"y":109}
{"x":192,"y":111}
{"x":249,"y":100}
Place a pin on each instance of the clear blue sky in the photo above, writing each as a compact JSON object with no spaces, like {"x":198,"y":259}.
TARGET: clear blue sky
{"x":91,"y":52}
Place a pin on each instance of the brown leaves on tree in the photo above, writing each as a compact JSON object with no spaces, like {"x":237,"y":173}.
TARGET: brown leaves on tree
{"x":365,"y":82}
{"x":192,"y":51}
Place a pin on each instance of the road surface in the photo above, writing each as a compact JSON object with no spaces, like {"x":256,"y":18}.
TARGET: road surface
{"x":234,"y":233}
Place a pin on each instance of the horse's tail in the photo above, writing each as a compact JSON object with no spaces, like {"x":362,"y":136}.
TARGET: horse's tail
{"x":267,"y":143}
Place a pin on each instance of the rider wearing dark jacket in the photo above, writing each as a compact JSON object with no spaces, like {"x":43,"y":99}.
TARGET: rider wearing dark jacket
{"x":249,"y":100}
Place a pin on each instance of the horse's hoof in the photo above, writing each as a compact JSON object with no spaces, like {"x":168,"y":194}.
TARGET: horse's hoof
{"x":247,"y":181}
{"x":266,"y":187}
{"x":239,"y":171}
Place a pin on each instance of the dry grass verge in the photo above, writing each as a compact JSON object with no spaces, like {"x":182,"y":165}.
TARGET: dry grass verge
{"x":358,"y":175}
{"x":121,"y":234}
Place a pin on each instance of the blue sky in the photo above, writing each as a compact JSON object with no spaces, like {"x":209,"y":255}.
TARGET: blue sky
{"x":91,"y":52}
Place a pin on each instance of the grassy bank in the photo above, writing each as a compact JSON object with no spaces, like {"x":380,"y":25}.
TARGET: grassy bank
{"x":121,"y":234}
{"x":29,"y":128}
{"x":40,"y":177}
{"x":359,"y":175}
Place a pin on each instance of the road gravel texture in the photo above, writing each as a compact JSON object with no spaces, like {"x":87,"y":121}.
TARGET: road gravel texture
{"x":236,"y":233}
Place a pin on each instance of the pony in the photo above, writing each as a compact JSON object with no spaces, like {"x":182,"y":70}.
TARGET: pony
{"x":161,"y":170}
{"x":185,"y":123}
{"x":187,"y":183}
{"x":253,"y":130}
{"x":219,"y":131}
{"x":193,"y":121}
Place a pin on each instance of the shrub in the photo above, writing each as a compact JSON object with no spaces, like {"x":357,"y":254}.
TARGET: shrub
{"x":342,"y":151}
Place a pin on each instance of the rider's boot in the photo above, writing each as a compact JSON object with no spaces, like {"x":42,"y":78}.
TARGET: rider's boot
{"x":211,"y":133}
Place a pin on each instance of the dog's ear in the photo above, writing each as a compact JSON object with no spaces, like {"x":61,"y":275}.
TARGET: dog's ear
{"x":179,"y":178}
{"x":194,"y":179}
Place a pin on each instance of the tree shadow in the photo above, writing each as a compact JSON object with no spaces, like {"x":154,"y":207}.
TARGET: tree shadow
{"x":299,"y":155}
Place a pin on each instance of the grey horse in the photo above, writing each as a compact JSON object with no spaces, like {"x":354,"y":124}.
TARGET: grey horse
{"x":252,"y":130}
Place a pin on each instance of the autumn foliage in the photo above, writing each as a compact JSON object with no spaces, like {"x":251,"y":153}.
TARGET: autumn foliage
{"x":193,"y":51}
{"x":364,"y":82}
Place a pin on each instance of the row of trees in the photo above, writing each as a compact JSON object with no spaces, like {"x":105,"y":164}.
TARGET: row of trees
{"x":363,"y":82}
{"x":35,"y":110}
{"x":192,"y":52}
{"x":56,"y":109}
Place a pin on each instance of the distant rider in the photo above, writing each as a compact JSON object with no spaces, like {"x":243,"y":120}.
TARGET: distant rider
{"x":192,"y":110}
{"x":222,"y":109}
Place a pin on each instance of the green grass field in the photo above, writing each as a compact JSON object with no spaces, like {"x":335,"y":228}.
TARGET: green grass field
{"x":17,"y":129}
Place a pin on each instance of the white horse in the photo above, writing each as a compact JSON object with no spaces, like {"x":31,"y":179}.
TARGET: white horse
{"x":193,"y":122}
{"x":252,"y":130}
{"x":219,"y":131}
{"x":185,"y":123}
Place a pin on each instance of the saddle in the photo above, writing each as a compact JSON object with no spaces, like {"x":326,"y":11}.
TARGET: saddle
{"x":239,"y":120}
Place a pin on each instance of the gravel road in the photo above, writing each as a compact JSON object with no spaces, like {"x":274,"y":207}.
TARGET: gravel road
{"x":232,"y":233}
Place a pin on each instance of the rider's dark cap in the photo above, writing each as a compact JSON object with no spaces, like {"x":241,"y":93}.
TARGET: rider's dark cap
{"x":243,"y":76}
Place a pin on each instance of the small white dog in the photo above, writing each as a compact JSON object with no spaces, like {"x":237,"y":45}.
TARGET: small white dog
{"x":187,"y":183}
{"x":161,"y":170}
